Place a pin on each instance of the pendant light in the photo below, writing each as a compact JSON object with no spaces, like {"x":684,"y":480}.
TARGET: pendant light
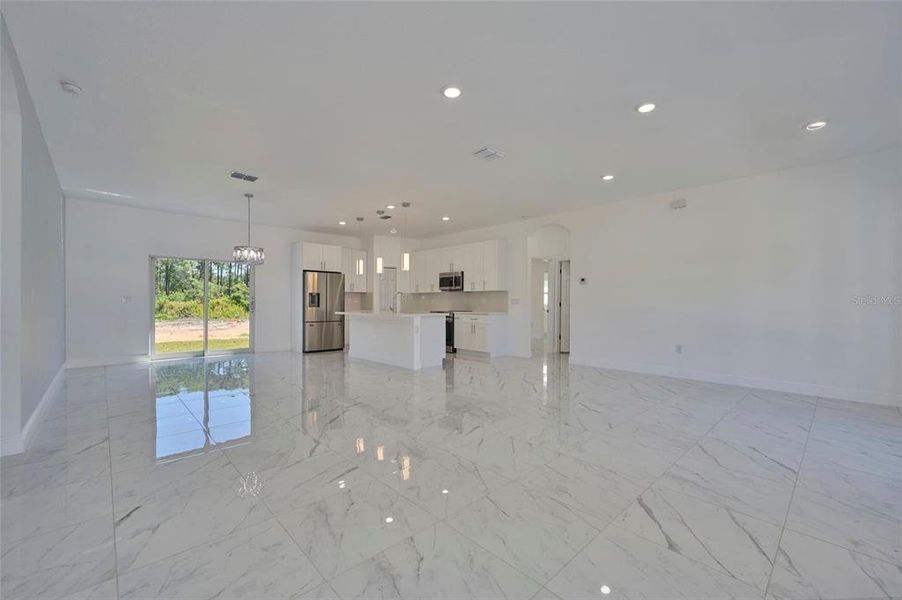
{"x":360,"y":263}
{"x":405,"y":256}
{"x":252,"y":255}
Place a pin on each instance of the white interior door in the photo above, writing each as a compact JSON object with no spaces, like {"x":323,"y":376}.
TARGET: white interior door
{"x":388,"y":285}
{"x":565,"y":306}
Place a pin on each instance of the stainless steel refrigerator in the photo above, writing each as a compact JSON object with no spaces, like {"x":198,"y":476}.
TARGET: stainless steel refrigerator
{"x":324,"y":295}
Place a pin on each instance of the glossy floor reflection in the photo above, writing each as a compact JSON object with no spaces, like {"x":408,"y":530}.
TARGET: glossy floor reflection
{"x":282,"y":476}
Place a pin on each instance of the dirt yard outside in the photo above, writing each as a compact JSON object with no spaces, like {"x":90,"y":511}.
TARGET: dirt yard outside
{"x":187,"y":335}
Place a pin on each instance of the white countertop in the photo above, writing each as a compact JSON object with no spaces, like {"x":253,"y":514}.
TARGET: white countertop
{"x":387,"y":314}
{"x":476,"y":313}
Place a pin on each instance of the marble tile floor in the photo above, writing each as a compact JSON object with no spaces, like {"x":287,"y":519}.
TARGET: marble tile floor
{"x":287,"y":476}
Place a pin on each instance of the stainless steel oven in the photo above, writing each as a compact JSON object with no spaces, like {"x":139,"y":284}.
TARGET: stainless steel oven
{"x":451,"y":281}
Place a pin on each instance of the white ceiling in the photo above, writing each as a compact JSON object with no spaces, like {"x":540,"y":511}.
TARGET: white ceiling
{"x":337,"y":106}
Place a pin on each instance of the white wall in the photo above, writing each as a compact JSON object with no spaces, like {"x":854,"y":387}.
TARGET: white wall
{"x":108,"y":251}
{"x":756,"y":279}
{"x":10,"y":265}
{"x":536,"y":284}
{"x":33,"y":303}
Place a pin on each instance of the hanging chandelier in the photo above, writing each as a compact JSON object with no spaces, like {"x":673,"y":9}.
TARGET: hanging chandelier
{"x":252,"y":255}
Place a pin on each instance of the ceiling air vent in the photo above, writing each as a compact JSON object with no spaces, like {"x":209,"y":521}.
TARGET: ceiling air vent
{"x":243,"y":176}
{"x":488,"y":154}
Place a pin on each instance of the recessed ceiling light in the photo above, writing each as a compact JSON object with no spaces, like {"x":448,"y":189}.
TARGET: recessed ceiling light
{"x":390,"y":207}
{"x":446,"y":218}
{"x":444,"y":491}
{"x":451,"y":92}
{"x":342,"y":223}
{"x":70,"y":87}
{"x":645,"y":107}
{"x":393,"y":230}
{"x":388,"y":519}
{"x":607,"y":177}
{"x":605,"y":590}
{"x":815,"y":125}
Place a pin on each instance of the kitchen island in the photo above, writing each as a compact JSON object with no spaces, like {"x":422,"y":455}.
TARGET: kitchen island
{"x":409,"y":340}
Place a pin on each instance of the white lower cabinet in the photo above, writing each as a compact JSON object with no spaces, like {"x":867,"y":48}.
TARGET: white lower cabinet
{"x":480,"y":333}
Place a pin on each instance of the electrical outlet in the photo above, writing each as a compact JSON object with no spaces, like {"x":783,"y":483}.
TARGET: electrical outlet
{"x":678,"y":348}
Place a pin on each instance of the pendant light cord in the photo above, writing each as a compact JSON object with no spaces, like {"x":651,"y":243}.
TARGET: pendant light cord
{"x":248,"y":196}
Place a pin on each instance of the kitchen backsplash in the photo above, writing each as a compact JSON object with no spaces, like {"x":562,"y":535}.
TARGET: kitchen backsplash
{"x":475,"y":301}
{"x":358,"y":301}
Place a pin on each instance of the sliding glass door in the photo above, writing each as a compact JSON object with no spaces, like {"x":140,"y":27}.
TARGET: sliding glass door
{"x":179,"y":291}
{"x":229,"y":307}
{"x":201,"y":307}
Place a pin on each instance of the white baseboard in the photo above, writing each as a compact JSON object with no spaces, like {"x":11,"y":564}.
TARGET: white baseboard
{"x":81,"y":363}
{"x":106,"y":361}
{"x":259,"y":350}
{"x":11,"y":444}
{"x":791,"y":387}
{"x":50,"y":395}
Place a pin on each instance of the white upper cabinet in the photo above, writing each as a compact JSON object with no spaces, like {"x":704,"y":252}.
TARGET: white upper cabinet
{"x":434,"y":260}
{"x":472,"y":266}
{"x":321,"y":257}
{"x":493,"y":272}
{"x":354,"y":270}
{"x":418,"y":272}
{"x":481,"y":263}
{"x":332,"y":258}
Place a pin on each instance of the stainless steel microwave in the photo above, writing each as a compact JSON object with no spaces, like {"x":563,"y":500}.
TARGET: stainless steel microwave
{"x":451,"y":282}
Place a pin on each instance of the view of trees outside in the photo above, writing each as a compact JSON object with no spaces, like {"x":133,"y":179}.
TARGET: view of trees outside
{"x":179,"y":305}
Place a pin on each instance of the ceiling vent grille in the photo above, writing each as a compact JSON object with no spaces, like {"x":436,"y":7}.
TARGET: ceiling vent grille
{"x":243,"y":176}
{"x":488,"y":154}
